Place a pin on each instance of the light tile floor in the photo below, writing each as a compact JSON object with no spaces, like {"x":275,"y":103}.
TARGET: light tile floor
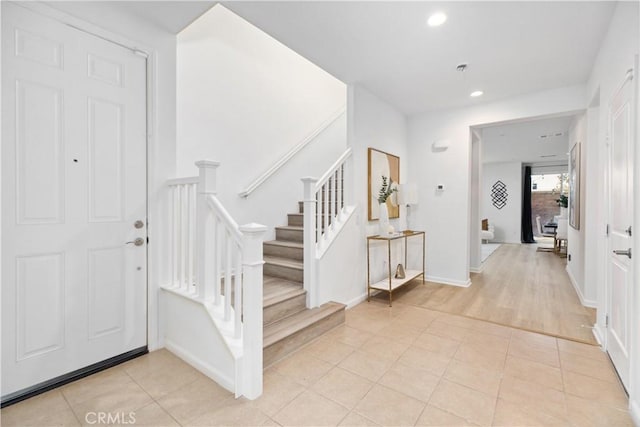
{"x":386,"y":366}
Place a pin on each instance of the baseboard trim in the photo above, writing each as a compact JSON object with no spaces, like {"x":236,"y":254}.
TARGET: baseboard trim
{"x":355,"y":301}
{"x":634,"y":411}
{"x":205,"y":368}
{"x":61,"y":380}
{"x":598,"y":335}
{"x":477,"y":269}
{"x":583,"y":301}
{"x":443,"y":281}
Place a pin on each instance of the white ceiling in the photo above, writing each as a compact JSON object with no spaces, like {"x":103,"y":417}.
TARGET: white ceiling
{"x":511,"y":47}
{"x":522,"y":141}
{"x":169,"y":16}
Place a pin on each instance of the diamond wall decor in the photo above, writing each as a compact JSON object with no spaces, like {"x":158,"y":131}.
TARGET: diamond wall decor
{"x":499,"y":194}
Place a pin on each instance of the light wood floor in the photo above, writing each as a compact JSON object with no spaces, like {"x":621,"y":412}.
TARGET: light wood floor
{"x":518,"y":287}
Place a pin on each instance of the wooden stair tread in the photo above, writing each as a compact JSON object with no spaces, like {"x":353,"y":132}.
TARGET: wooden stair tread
{"x":284,"y":262}
{"x":286,"y":243}
{"x":277,"y":290}
{"x":290,"y":325}
{"x":290,"y":227}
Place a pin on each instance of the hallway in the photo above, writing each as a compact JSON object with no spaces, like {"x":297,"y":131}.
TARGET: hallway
{"x":518,"y":287}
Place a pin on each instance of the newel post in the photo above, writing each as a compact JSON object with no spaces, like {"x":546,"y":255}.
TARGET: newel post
{"x":204,"y":228}
{"x":252,"y":261}
{"x":309,"y":215}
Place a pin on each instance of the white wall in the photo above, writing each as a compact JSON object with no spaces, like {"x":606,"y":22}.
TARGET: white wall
{"x":107,"y":20}
{"x":617,"y":54}
{"x":576,"y":238}
{"x":507,"y":221}
{"x":244,"y":100}
{"x":446,"y":215}
{"x":372,"y":123}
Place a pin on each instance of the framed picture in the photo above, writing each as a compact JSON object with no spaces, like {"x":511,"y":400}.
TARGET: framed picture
{"x":574,"y":187}
{"x":387,"y":165}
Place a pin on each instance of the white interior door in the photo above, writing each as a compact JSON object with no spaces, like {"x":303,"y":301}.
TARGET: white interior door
{"x":73,"y":185}
{"x":620,"y":271}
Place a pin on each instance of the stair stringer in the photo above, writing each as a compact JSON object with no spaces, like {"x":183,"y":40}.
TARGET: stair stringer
{"x":197,"y":333}
{"x":338,"y":272}
{"x":334,"y":231}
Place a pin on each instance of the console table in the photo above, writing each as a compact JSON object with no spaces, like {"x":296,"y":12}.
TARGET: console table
{"x":390,"y":283}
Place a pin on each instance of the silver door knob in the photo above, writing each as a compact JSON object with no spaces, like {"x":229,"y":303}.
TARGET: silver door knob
{"x":138,"y":224}
{"x":622,"y":252}
{"x":138,"y":242}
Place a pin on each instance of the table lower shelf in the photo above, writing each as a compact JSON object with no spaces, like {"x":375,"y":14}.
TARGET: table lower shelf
{"x":383,"y":284}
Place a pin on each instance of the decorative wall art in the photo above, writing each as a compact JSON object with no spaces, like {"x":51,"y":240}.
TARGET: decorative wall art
{"x":387,"y":165}
{"x":574,"y":187}
{"x":499,"y":194}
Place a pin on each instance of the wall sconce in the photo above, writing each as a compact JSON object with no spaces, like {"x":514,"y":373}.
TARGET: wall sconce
{"x":440,"y":145}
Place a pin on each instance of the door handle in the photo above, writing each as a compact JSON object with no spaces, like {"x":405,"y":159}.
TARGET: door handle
{"x":622,"y":252}
{"x":138,"y":242}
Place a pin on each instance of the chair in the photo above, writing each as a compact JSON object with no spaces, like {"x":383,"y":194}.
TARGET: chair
{"x":562,"y":235}
{"x":487,"y":232}
{"x":540,"y":231}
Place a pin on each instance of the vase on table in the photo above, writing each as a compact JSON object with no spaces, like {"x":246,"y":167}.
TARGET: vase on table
{"x":563,"y":212}
{"x":384,"y":220}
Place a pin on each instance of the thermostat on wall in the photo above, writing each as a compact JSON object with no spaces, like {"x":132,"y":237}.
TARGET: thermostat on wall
{"x":440,"y":187}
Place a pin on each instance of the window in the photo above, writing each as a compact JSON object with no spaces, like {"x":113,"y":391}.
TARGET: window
{"x":552,"y":182}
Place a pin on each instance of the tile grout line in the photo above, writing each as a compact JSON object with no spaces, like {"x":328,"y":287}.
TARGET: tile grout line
{"x":71,"y":407}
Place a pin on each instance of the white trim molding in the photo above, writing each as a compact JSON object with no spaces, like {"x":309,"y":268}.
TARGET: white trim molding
{"x":585,"y":302}
{"x":634,"y":411}
{"x":450,"y":282}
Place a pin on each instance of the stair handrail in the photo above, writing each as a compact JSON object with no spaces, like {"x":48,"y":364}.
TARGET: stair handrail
{"x":328,"y":193}
{"x":291,"y":153}
{"x":334,"y":167}
{"x":219,"y":261}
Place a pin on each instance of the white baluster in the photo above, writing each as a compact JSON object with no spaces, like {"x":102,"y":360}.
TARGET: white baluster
{"x":324,"y":209}
{"x":253,"y":235}
{"x":339,"y":192}
{"x":228,"y":285}
{"x":175,"y":199}
{"x":318,"y":221}
{"x":218,"y":260}
{"x":184,"y":200}
{"x":237,"y":284}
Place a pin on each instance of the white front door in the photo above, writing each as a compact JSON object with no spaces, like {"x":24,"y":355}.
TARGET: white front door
{"x":620,"y":271}
{"x":73,"y":185}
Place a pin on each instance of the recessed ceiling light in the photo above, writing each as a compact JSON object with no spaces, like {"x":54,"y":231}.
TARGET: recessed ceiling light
{"x":476,"y":93}
{"x":437,"y":19}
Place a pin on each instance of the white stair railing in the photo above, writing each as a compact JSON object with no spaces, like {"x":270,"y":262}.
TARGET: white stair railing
{"x":324,"y":205}
{"x":217,"y":262}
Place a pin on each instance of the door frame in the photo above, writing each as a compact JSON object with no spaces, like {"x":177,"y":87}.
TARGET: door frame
{"x":150,"y":55}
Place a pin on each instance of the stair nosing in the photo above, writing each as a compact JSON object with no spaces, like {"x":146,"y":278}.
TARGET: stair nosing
{"x":273,"y":334}
{"x":285,"y":296}
{"x":285,"y":243}
{"x":283,"y":262}
{"x":290,"y":227}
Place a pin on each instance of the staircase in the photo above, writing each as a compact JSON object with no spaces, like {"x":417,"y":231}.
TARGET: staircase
{"x":288,"y":323}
